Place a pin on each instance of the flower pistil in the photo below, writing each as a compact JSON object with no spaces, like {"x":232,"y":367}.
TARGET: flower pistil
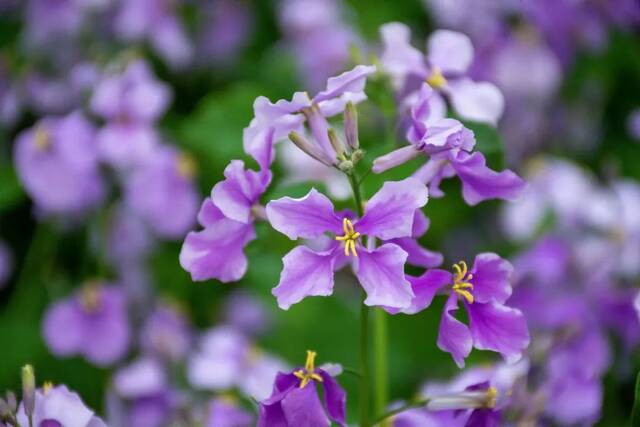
{"x":308,"y":373}
{"x":461,"y":281}
{"x":349,"y":238}
{"x":436,"y":80}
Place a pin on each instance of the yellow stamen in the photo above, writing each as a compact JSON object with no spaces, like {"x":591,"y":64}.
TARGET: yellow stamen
{"x":41,"y":138}
{"x":186,"y":165}
{"x":308,"y":373}
{"x":349,"y":238}
{"x":492,"y":395}
{"x":461,"y":281}
{"x":90,"y":296}
{"x":46,"y":387}
{"x":436,"y":80}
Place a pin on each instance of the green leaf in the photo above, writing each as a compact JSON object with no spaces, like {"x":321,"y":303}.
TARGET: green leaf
{"x":11,"y":192}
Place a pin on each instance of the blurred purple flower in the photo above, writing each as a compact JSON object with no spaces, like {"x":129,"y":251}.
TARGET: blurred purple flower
{"x":166,"y":332}
{"x":92,"y":323}
{"x":225,"y":28}
{"x":163,"y":194}
{"x":57,"y":163}
{"x":224,"y":412}
{"x":389,"y":214}
{"x":246,"y":313}
{"x":58,"y":406}
{"x":633,"y":124}
{"x":294,"y":400}
{"x":444,"y":68}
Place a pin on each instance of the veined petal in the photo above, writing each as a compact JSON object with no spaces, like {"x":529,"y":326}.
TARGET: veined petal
{"x":348,"y":86}
{"x":235,"y":195}
{"x":491,"y":278}
{"x":305,"y":273}
{"x":418,"y":256}
{"x":476,"y":101}
{"x":302,"y":407}
{"x":389,"y":213}
{"x":381,"y":274}
{"x":450,"y":51}
{"x":425,"y":288}
{"x":499,"y":328}
{"x":481,"y":183}
{"x":454,"y":336}
{"x":308,"y":217}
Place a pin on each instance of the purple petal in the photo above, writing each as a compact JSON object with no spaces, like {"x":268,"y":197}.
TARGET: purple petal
{"x":381,"y":274}
{"x":271,"y":416}
{"x":217,"y":252}
{"x":450,"y":51}
{"x":476,"y":101}
{"x":491,"y":278}
{"x":418,"y":256}
{"x":499,"y":328}
{"x":454,"y":336}
{"x":305,"y":273}
{"x":348,"y":86}
{"x":425,"y":288}
{"x":389,"y":213}
{"x":481,"y":183}
{"x":62,"y":328}
{"x":308,"y":217}
{"x":335,"y":398}
{"x":241,"y":189}
{"x":302,"y":407}
{"x":399,"y":58}
{"x":484,"y":418}
{"x":420,"y":224}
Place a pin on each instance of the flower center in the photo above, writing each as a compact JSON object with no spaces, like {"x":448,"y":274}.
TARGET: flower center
{"x":186,"y":166}
{"x":461,"y":281}
{"x":308,"y":373}
{"x":46,"y":387}
{"x":436,"y":80}
{"x":90,"y":297}
{"x":41,"y":139}
{"x":349,"y":238}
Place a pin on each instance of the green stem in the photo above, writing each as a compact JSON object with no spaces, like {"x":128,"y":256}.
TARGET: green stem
{"x":387,"y":415}
{"x":364,"y":326}
{"x":381,"y":360}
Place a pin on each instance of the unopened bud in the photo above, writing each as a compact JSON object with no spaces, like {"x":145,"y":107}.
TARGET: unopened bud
{"x":337,"y":145}
{"x":312,"y":150}
{"x":357,"y":155}
{"x":351,"y":125}
{"x":346,"y":166}
{"x":464,"y":400}
{"x":394,"y":158}
{"x":28,"y":389}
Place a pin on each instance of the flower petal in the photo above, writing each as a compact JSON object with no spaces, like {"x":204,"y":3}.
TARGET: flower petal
{"x":454,"y":336}
{"x":425,"y":288}
{"x":302,"y":407}
{"x":348,"y":86}
{"x":418,"y":256}
{"x":308,"y":217}
{"x":499,"y":328}
{"x":381,"y":274}
{"x":389,"y":213}
{"x":335,"y":398}
{"x":491,"y":278}
{"x":305,"y":273}
{"x":399,"y":58}
{"x":450,"y":51}
{"x":236,"y":194}
{"x":481,"y":183}
{"x":476,"y":101}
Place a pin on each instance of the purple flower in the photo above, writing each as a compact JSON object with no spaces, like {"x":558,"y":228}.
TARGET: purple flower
{"x":166,"y":333}
{"x":134,"y":95}
{"x":449,"y":146}
{"x":224,"y":412}
{"x":444,"y":68}
{"x":6,"y":263}
{"x":633,"y":124}
{"x":58,"y":166}
{"x":295,"y":401}
{"x":389,"y":214}
{"x":224,"y":31}
{"x":286,"y":116}
{"x":93,"y":323}
{"x":228,"y":219}
{"x":163,"y":194}
{"x":484,"y":290}
{"x":58,"y":406}
{"x":246,"y":313}
{"x":125,"y":145}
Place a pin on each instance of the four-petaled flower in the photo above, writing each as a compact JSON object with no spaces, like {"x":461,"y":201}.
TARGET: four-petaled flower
{"x":388,"y":215}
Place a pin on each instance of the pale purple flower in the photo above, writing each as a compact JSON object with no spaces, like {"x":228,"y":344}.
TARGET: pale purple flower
{"x":124,"y":145}
{"x":92,"y":323}
{"x":226,"y":359}
{"x":166,"y":333}
{"x":133,"y":95}
{"x":285,"y":116}
{"x":162,"y":192}
{"x":58,"y":406}
{"x":57,"y":163}
{"x":224,"y":31}
{"x":227,"y":218}
{"x":389,"y":214}
{"x":224,"y":412}
{"x":42,"y":29}
{"x":484,"y":290}
{"x":449,"y":146}
{"x":246,"y":313}
{"x":449,"y":55}
{"x":128,"y":239}
{"x":295,"y":401}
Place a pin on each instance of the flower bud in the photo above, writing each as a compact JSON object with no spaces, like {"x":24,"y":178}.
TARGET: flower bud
{"x":312,"y":150}
{"x":28,"y":389}
{"x":351,"y":125}
{"x":337,"y":145}
{"x":472,"y":399}
{"x":394,"y":158}
{"x":346,"y":166}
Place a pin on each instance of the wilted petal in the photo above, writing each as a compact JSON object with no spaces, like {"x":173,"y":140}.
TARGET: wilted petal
{"x":389,"y":213}
{"x":381,"y":274}
{"x":449,"y":51}
{"x":498,"y":328}
{"x":305,"y":273}
{"x":335,"y":398}
{"x":481,"y":183}
{"x":476,"y":101}
{"x":491,"y":278}
{"x":425,"y":288}
{"x":307,"y":217}
{"x":454,"y":336}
